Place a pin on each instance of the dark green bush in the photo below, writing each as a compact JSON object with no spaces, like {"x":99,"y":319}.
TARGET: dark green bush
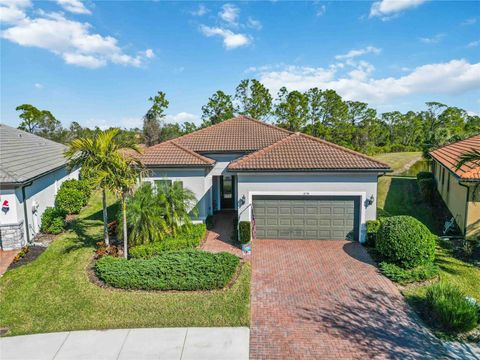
{"x":81,"y":185}
{"x":427,"y":187}
{"x":372,"y":229}
{"x":70,"y":200}
{"x":402,"y":276}
{"x":209,"y":222}
{"x":186,"y":240}
{"x":173,"y":270}
{"x":53,"y":221}
{"x":245,"y":229}
{"x":449,"y":310}
{"x":405,"y":241}
{"x":425,"y":175}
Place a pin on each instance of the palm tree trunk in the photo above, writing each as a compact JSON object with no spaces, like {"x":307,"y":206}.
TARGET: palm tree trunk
{"x":105,"y":218}
{"x":125,"y":235}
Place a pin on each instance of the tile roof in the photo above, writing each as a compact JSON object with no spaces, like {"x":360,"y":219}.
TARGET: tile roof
{"x":24,"y":156}
{"x":170,"y":154}
{"x":303,"y":152}
{"x":449,"y":155}
{"x":241,"y":133}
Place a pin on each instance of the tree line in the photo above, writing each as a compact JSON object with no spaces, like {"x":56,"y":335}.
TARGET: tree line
{"x":320,"y":113}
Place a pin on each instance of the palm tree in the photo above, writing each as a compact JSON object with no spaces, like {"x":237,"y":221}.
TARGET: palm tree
{"x":472,"y":156}
{"x":98,"y":157}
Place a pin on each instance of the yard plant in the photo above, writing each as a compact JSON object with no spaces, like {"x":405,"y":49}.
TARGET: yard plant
{"x":173,"y":270}
{"x":245,"y":229}
{"x":405,"y":276}
{"x":405,"y":241}
{"x":53,"y":221}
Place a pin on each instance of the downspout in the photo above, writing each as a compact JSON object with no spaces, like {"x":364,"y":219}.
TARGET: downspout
{"x":25,"y":214}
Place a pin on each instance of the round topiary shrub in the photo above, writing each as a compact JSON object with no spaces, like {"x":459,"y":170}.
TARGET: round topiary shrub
{"x":69,"y":200}
{"x":53,"y":221}
{"x":405,"y":241}
{"x":450,"y":310}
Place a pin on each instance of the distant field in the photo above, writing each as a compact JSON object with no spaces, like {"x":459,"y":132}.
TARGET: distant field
{"x":400,"y":161}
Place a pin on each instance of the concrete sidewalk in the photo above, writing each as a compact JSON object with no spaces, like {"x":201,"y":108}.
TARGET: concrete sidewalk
{"x":134,"y":344}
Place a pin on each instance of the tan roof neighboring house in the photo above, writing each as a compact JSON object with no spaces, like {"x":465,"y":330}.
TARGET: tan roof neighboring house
{"x":173,"y":155}
{"x":449,"y":155}
{"x":303,"y":152}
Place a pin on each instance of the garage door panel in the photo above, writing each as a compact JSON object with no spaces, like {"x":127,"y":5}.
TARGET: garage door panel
{"x":323,"y":218}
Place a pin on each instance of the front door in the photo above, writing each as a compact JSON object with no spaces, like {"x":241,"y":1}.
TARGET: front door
{"x":227,"y":185}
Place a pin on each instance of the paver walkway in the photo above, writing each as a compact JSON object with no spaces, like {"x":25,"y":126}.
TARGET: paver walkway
{"x":6,"y":258}
{"x":134,"y":344}
{"x":220,"y":237}
{"x":325,"y":300}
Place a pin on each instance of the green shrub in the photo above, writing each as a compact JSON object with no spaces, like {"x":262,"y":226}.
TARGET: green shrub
{"x":402,"y":276}
{"x":70,"y":200}
{"x":372,"y":229}
{"x":405,"y":241}
{"x":173,"y":270}
{"x":427,"y":186}
{"x":449,"y":310}
{"x":81,"y":185}
{"x":53,"y":221}
{"x":185,"y":240}
{"x":425,"y":175}
{"x":245,"y":229}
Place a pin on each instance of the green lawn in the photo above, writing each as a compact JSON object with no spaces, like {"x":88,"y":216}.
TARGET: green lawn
{"x":54,"y":293}
{"x":400,"y":160}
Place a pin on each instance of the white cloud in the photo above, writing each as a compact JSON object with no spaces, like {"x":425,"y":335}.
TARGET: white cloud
{"x":38,"y":86}
{"x":253,"y":23}
{"x":229,"y":13}
{"x":74,"y":6}
{"x":388,"y":8}
{"x":181,"y":117}
{"x":72,"y":40}
{"x":231,"y":40}
{"x":432,"y":40}
{"x":470,"y":21}
{"x":358,"y":52}
{"x":452,"y":78}
{"x":200,"y":11}
{"x":321,"y":10}
{"x":149,"y":54}
{"x":13,"y":11}
{"x":473,"y":44}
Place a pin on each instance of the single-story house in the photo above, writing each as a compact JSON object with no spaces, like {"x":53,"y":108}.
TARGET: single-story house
{"x":31,"y":171}
{"x":457,"y":186}
{"x":295,"y":186}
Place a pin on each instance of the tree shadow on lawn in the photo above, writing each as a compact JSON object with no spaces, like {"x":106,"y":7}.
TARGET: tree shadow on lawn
{"x":376,"y":323}
{"x":112,"y":211}
{"x":85,"y":233}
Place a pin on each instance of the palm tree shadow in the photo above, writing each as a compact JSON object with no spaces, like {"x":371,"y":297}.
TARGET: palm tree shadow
{"x":112,"y":211}
{"x":86,"y":233}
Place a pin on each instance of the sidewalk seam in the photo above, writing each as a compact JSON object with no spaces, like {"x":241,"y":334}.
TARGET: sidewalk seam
{"x":184,"y":341}
{"x":61,"y":345}
{"x":123,"y":343}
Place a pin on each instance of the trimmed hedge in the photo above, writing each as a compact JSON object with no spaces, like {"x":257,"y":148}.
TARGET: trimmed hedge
{"x":448,"y":308}
{"x":372,"y":229}
{"x":245,"y":229}
{"x":81,"y":185}
{"x":175,"y":270}
{"x":405,"y":241}
{"x":402,"y":276}
{"x":53,"y":221}
{"x":187,"y":240}
{"x":72,"y":196}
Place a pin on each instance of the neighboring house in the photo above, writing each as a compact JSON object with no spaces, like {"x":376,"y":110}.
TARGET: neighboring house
{"x":457,"y":186}
{"x":295,"y":186}
{"x":31,"y":171}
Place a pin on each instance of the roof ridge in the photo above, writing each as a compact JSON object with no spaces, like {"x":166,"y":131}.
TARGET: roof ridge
{"x":456,"y":143}
{"x":266,"y":124}
{"x":342,"y":148}
{"x":191,"y":152}
{"x":261,"y":151}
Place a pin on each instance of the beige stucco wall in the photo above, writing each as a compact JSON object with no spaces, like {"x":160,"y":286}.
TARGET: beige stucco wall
{"x":473,"y":216}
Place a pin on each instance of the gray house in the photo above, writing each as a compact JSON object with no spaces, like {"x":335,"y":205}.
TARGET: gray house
{"x":31,"y":171}
{"x":293,"y":185}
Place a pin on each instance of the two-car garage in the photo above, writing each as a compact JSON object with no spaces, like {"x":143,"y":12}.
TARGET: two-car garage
{"x":306,"y":217}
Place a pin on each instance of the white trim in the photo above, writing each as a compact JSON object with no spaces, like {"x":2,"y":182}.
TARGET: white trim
{"x":361,"y":194}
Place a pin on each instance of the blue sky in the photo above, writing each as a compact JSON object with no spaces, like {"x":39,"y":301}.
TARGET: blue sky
{"x":97,"y":62}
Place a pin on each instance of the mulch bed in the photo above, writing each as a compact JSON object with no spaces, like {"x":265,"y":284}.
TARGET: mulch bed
{"x":33,"y":253}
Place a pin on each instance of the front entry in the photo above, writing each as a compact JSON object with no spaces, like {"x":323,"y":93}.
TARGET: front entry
{"x":227,"y":190}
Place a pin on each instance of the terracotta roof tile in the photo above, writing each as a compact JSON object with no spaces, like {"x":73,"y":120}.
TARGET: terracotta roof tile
{"x":241,"y":133}
{"x":303,"y":152}
{"x":170,"y":154}
{"x":449,"y":155}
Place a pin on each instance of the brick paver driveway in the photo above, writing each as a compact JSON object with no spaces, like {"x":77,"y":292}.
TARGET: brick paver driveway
{"x":325,"y":300}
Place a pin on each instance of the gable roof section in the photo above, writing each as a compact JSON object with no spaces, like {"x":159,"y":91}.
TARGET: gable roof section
{"x":170,"y":154}
{"x":242,"y":134}
{"x":449,"y":155}
{"x":24,"y":156}
{"x":303,"y":152}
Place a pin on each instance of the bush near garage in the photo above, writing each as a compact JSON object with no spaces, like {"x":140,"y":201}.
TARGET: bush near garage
{"x":448,"y":308}
{"x":172,"y":270}
{"x":185,"y":240}
{"x":53,"y":221}
{"x":245,"y":229}
{"x":405,"y":241}
{"x":372,"y":229}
